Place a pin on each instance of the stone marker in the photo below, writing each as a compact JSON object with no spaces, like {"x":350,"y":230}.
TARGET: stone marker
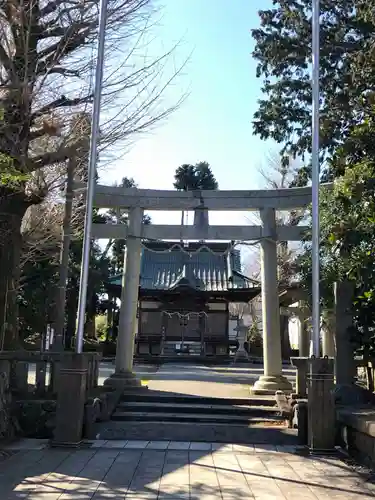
{"x":71,"y":398}
{"x":301,"y":380}
{"x":321,"y":405}
{"x":345,"y":365}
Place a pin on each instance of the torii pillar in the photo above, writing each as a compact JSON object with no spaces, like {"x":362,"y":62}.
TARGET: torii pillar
{"x":124,"y":375}
{"x":272,"y":380}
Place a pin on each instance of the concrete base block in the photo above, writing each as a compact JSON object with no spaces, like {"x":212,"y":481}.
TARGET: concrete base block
{"x":351,"y":395}
{"x":321,"y":405}
{"x":123,"y":380}
{"x":71,"y":400}
{"x":269,"y":384}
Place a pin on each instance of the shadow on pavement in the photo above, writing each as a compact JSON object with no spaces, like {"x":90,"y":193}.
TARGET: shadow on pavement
{"x":172,"y":475}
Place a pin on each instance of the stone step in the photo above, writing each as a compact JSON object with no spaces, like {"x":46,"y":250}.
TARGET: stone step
{"x":191,"y":417}
{"x":150,"y":396}
{"x":197,"y":408}
{"x":275,"y":433}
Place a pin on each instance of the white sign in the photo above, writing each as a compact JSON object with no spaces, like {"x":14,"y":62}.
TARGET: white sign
{"x":49,"y":337}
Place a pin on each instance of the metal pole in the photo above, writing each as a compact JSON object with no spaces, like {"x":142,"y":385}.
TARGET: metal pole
{"x":91,"y":176}
{"x":315,"y":180}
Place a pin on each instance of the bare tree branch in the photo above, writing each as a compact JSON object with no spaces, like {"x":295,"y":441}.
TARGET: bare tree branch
{"x":50,"y":54}
{"x":61,"y":102}
{"x":47,"y":67}
{"x":49,"y":158}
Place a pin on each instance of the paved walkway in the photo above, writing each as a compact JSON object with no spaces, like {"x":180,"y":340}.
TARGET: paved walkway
{"x":199,"y":380}
{"x":202,"y":472}
{"x":168,"y":470}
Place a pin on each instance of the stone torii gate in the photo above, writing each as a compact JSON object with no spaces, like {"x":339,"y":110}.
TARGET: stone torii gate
{"x":135,"y":201}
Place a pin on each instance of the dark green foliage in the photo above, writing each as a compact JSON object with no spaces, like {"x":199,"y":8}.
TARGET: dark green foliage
{"x":347,"y":250}
{"x":283,"y":51}
{"x":347,"y":110}
{"x":192,"y":177}
{"x":38,"y":281}
{"x":40,"y":277}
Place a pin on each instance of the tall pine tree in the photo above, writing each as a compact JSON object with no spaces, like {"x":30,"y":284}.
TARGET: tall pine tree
{"x":347,"y":75}
{"x":199,"y":176}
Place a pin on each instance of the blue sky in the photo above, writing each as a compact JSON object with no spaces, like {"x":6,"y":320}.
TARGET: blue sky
{"x":214,"y":123}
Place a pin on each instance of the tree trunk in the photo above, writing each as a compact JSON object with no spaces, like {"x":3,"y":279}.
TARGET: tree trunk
{"x":72,"y":309}
{"x":66,"y":236}
{"x":90,"y":327}
{"x":12,"y":210}
{"x":285,"y":340}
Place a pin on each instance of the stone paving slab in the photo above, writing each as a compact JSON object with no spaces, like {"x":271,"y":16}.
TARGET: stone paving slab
{"x":179,"y":471}
{"x":41,"y":444}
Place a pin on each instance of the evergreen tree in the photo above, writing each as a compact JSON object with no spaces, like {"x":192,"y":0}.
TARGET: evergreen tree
{"x":347,"y":77}
{"x":347,"y":110}
{"x":191,"y":177}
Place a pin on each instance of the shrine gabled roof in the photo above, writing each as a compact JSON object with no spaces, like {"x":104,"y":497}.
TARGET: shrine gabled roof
{"x":170,"y":266}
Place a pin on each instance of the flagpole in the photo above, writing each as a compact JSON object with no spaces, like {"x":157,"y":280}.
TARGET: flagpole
{"x":91,"y":176}
{"x":315,"y":181}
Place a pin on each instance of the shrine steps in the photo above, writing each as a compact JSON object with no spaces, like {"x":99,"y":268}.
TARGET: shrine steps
{"x":162,"y":359}
{"x":155,"y":415}
{"x":131,"y":408}
{"x":196,"y":432}
{"x":141,"y":395}
{"x":169,"y":349}
{"x":191,"y":418}
{"x":164,"y":407}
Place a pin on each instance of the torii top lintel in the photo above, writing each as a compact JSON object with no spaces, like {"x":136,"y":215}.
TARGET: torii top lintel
{"x":154,"y":199}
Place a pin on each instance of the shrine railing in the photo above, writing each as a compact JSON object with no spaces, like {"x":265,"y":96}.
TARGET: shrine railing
{"x":38,"y":372}
{"x":364,"y":377}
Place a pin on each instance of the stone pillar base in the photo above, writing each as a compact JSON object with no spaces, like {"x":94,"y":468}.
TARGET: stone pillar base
{"x":269,"y":384}
{"x":122,"y":380}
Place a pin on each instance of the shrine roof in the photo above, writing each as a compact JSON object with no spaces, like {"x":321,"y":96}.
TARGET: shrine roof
{"x":168,"y":266}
